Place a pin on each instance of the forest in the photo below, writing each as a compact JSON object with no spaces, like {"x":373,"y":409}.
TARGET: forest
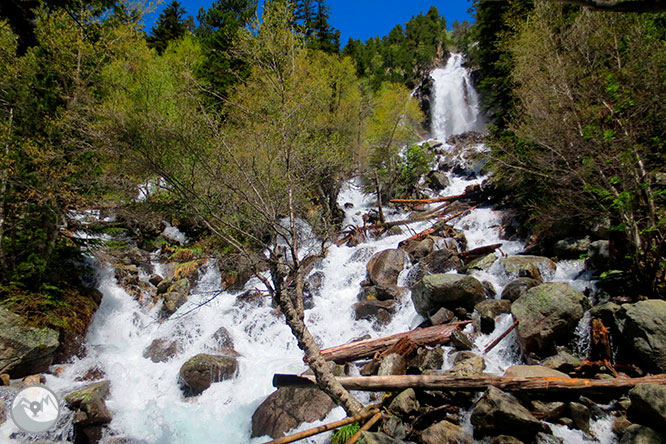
{"x":238,"y":128}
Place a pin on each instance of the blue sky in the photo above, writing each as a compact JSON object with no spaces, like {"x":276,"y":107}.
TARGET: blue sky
{"x":361,"y":19}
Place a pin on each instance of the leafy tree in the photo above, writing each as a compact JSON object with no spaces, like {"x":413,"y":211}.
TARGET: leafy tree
{"x":171,"y":25}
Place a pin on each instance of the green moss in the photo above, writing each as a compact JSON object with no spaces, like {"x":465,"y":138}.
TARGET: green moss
{"x":118,"y":245}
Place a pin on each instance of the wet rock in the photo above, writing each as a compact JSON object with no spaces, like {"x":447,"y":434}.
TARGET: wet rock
{"x":533,"y":371}
{"x":33,"y":380}
{"x":394,"y":427}
{"x":620,"y":425}
{"x":176,"y":296}
{"x":419,"y":249}
{"x":467,"y":364}
{"x":505,"y":439}
{"x":5,"y":378}
{"x":95,"y":390}
{"x":163,"y":285}
{"x":545,"y":438}
{"x":385,"y":266}
{"x":379,"y":438}
{"x":374,"y":310}
{"x":488,"y":310}
{"x":441,"y":261}
{"x":497,"y":413}
{"x":287,"y":408}
{"x":580,"y":415}
{"x":562,"y":361}
{"x":518,"y":287}
{"x":483,"y":263}
{"x":394,"y":231}
{"x":90,"y":410}
{"x":644,"y":332}
{"x":392,"y":364}
{"x":426,"y":359}
{"x":461,"y":341}
{"x":548,"y":315}
{"x":155,"y":279}
{"x":638,"y":434}
{"x":405,"y":404}
{"x":648,"y":405}
{"x":445,"y":432}
{"x":221,"y":340}
{"x":3,"y":412}
{"x":315,"y":282}
{"x":199,"y":372}
{"x":528,"y":266}
{"x":380,"y":292}
{"x":571,"y":248}
{"x":441,"y":316}
{"x":437,"y":180}
{"x":24,"y":350}
{"x":446,"y":290}
{"x":549,"y":410}
{"x":599,"y":258}
{"x":161,"y":350}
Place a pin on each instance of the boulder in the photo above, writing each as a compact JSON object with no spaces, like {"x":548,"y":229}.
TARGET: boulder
{"x":599,"y":258}
{"x":535,"y":267}
{"x":562,"y":361}
{"x":445,"y":432}
{"x":549,"y":410}
{"x":289,"y":407}
{"x":437,"y":180}
{"x":155,"y":279}
{"x":571,"y":248}
{"x":426,"y":359}
{"x":548,"y":315}
{"x":420,"y":249}
{"x":24,"y":350}
{"x":441,"y":261}
{"x":497,"y":413}
{"x":648,"y":405}
{"x":446,"y":290}
{"x":380,"y":292}
{"x":405,"y":404}
{"x":392,"y":364}
{"x":441,"y":316}
{"x":505,"y":439}
{"x":638,"y":434}
{"x":176,"y":296}
{"x":3,"y":412}
{"x":221,"y":340}
{"x":385,"y":266}
{"x":533,"y":371}
{"x":518,"y":287}
{"x":163,"y":285}
{"x":161,"y":350}
{"x":488,"y":310}
{"x":580,"y":415}
{"x":90,"y":410}
{"x":461,"y":341}
{"x":199,"y":372}
{"x":374,"y":310}
{"x":645,"y":333}
{"x":467,"y":364}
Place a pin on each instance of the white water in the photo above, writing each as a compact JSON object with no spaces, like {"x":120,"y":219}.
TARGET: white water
{"x":456,"y":105}
{"x":145,"y":399}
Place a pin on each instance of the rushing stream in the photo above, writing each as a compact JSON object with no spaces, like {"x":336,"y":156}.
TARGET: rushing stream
{"x":145,"y":399}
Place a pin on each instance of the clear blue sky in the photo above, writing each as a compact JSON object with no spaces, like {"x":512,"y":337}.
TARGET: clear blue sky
{"x":360,"y":19}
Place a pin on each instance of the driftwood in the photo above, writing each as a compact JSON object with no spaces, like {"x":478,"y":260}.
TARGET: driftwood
{"x":324,"y":428}
{"x":447,"y":383}
{"x":502,"y":336}
{"x":432,"y":230}
{"x":427,"y":201}
{"x":435,"y":335}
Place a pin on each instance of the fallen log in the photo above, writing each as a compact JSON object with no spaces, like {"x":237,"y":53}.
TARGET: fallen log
{"x":427,"y":201}
{"x":476,"y":253}
{"x":432,"y":230}
{"x":435,"y":335}
{"x":365,"y":427}
{"x":447,"y":383}
{"x":325,"y":428}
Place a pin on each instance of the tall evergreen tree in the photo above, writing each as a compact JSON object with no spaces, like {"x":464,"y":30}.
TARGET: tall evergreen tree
{"x":311,"y":19}
{"x":218,"y":27}
{"x":171,"y":25}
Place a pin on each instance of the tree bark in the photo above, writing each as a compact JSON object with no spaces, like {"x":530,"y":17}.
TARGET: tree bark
{"x":446,"y":383}
{"x":435,"y":335}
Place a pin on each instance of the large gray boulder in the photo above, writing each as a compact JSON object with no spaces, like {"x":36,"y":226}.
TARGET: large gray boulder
{"x":446,"y":290}
{"x":638,"y":434}
{"x":385,"y":266}
{"x":497,"y":413}
{"x":648,"y":405}
{"x":488,"y":310}
{"x":289,"y":407}
{"x":518,"y":287}
{"x":199,"y":372}
{"x":645,"y":333}
{"x":90,"y":411}
{"x":24,"y":350}
{"x":548,"y":315}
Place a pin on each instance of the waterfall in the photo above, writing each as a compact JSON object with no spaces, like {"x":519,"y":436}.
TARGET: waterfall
{"x":145,"y":400}
{"x":456,"y":104}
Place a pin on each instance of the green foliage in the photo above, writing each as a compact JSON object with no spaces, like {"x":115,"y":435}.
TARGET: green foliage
{"x":311,"y":20}
{"x":344,"y":433}
{"x":416,"y":162}
{"x":404,"y":54}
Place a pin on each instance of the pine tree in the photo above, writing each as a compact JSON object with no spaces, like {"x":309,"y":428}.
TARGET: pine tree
{"x":171,"y":25}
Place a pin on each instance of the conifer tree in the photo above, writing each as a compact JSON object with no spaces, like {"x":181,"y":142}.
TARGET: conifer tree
{"x":171,"y":25}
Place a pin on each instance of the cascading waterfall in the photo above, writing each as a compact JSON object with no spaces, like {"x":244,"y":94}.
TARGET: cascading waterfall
{"x":145,"y":400}
{"x":456,"y":104}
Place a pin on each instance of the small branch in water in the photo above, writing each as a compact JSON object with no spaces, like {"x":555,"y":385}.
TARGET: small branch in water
{"x":502,"y":336}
